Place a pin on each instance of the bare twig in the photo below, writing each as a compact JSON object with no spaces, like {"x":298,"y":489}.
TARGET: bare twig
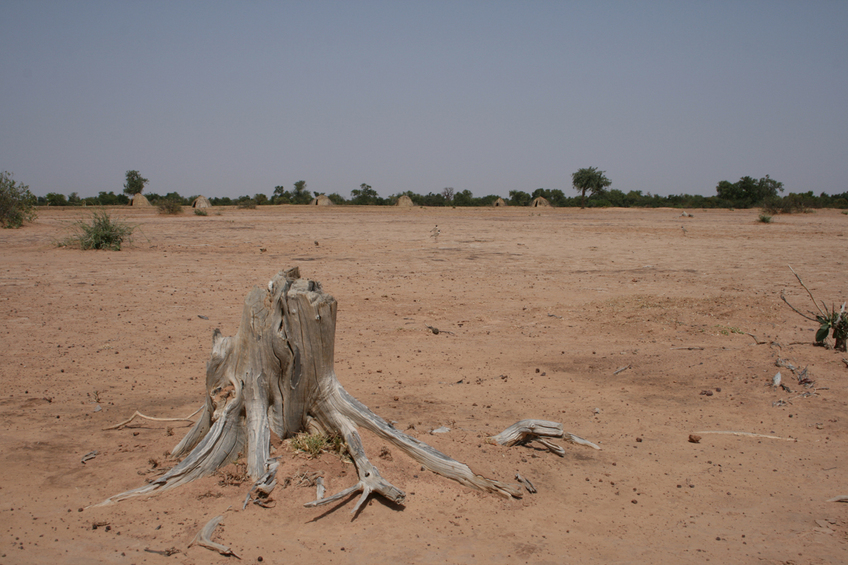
{"x":621,"y":369}
{"x":693,"y":348}
{"x":140,"y":415}
{"x":840,"y":498}
{"x":748,"y":434}
{"x":813,"y":298}
{"x":783,"y":297}
{"x":755,"y":339}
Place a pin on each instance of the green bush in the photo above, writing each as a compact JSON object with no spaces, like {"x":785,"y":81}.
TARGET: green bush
{"x":100,"y":232}
{"x":789,"y":204}
{"x":16,"y":202}
{"x":247,"y":204}
{"x":764,"y":219}
{"x":200,"y":212}
{"x":170,"y":206}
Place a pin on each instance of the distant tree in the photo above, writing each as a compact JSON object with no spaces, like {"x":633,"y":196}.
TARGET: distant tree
{"x":74,"y":199}
{"x":447,"y":192}
{"x":246,"y":201}
{"x":749,"y":192}
{"x":336,"y":198}
{"x":135,"y":183}
{"x":260,"y":199}
{"x":16,"y":202}
{"x":364,"y":195}
{"x":175,"y":197}
{"x":55,"y":199}
{"x":430,"y":199}
{"x":111,"y":199}
{"x":519,"y":198}
{"x":487,"y":200}
{"x":590,"y":179}
{"x":300,"y":194}
{"x":281,"y":195}
{"x":463,"y":198}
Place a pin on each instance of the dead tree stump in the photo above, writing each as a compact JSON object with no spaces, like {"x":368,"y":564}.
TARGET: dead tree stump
{"x":276,"y":374}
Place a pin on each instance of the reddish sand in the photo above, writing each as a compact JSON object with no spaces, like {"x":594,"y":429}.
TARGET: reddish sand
{"x":544,"y":307}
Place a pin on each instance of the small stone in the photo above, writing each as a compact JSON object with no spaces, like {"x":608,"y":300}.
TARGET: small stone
{"x":639,"y":440}
{"x":694,"y":438}
{"x":634,"y":501}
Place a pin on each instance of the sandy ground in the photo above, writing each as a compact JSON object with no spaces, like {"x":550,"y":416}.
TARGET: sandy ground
{"x":544,"y":308}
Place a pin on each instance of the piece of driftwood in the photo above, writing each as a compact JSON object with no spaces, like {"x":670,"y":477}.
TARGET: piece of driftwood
{"x":276,"y":375}
{"x":204,"y":538}
{"x":529,"y":430}
{"x":840,"y":498}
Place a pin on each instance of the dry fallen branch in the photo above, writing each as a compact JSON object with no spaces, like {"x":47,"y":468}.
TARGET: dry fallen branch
{"x":840,"y":498}
{"x":204,"y":538}
{"x":758,"y":341}
{"x":748,"y":434}
{"x":528,"y":430}
{"x":152,"y":419}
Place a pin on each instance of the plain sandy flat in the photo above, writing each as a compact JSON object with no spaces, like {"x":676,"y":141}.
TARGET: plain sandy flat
{"x":544,"y":306}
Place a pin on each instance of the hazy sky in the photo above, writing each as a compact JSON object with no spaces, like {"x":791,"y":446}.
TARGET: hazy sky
{"x":232,"y":98}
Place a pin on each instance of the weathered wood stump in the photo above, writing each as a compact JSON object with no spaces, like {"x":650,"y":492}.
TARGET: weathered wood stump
{"x":276,"y":374}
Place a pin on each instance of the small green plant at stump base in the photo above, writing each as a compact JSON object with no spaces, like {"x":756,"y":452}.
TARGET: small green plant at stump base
{"x":316,"y":444}
{"x":100,"y":232}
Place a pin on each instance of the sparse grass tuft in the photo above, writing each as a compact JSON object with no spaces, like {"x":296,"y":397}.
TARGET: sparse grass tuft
{"x":316,"y":444}
{"x":200,"y":212}
{"x":100,"y":232}
{"x":764,"y":219}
